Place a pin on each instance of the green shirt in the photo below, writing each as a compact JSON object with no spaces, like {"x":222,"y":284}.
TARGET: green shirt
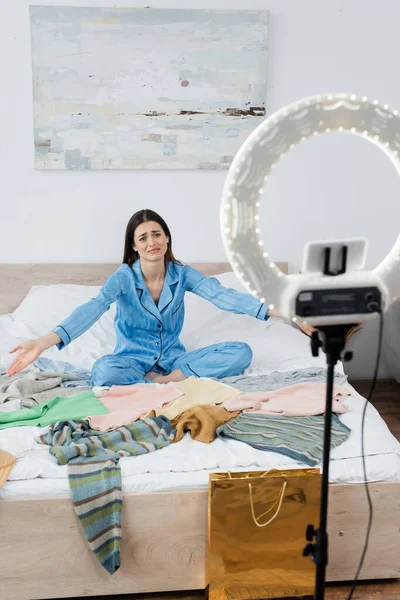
{"x":58,"y":409}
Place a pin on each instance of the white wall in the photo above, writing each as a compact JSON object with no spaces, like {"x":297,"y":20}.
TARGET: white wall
{"x":330,"y":186}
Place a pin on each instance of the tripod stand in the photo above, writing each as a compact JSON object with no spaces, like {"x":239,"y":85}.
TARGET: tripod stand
{"x":332,"y":339}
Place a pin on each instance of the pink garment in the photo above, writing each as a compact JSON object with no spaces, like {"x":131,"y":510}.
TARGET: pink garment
{"x":298,"y":400}
{"x":127,"y":403}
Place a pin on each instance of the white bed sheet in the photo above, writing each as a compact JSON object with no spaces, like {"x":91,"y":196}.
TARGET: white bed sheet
{"x":380,"y":468}
{"x":186,"y":465}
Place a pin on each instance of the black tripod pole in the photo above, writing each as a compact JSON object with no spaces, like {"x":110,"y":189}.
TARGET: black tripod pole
{"x":332,"y":338}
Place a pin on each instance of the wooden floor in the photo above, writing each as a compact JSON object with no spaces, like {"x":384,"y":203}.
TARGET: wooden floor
{"x":387,"y":400}
{"x":388,"y":590}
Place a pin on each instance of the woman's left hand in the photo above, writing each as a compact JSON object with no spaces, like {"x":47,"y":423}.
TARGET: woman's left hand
{"x":305,"y":327}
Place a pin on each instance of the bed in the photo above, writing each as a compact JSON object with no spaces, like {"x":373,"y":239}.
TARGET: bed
{"x":165,"y":494}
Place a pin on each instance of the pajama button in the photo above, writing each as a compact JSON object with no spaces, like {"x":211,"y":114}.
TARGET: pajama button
{"x":159,"y":325}
{"x":155,"y":358}
{"x":156,"y":343}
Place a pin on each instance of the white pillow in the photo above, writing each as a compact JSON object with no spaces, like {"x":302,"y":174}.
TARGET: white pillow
{"x":46,"y":306}
{"x":276,"y":346}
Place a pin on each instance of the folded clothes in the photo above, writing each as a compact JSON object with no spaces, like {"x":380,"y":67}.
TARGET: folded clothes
{"x":300,"y":438}
{"x":300,"y":399}
{"x":280,"y":379}
{"x":81,"y":377}
{"x":57,"y":409}
{"x":202,"y":422}
{"x":34,"y":387}
{"x":127,"y":403}
{"x":196,"y":392}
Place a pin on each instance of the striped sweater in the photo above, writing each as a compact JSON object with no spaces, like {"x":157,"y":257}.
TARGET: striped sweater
{"x":300,"y":438}
{"x":95,"y":477}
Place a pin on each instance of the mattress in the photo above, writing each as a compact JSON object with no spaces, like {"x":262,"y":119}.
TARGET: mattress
{"x":186,"y":464}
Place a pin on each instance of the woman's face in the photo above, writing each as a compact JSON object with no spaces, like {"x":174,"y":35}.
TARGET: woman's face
{"x":150,"y":241}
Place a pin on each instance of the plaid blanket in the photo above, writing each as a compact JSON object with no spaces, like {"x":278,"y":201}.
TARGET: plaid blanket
{"x":95,"y":477}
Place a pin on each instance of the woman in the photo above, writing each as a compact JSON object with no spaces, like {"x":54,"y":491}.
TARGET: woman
{"x":149,"y":289}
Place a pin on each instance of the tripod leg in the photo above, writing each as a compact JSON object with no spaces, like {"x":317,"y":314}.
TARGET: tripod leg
{"x":321,"y":543}
{"x":333,"y":343}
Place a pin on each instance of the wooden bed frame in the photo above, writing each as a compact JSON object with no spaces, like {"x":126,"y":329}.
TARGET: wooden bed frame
{"x":44,"y":554}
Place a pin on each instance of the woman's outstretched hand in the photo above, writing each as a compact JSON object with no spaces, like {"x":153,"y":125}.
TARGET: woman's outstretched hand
{"x":305,"y":327}
{"x":28,"y":352}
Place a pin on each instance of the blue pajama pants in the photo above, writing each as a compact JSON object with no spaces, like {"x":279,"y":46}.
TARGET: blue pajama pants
{"x":219,"y":360}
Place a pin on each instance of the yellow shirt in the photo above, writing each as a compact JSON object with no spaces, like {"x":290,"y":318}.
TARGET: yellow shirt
{"x":197,"y":391}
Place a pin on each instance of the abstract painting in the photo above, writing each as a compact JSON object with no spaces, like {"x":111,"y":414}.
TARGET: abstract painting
{"x":121,"y":88}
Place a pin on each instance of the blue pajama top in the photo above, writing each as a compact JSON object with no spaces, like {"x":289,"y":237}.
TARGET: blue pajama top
{"x":146,"y":330}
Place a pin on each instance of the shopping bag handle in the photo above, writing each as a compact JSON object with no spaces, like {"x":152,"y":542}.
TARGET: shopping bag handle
{"x":277,"y":502}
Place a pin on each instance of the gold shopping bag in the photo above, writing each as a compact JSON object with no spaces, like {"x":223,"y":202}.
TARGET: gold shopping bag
{"x":256,"y":534}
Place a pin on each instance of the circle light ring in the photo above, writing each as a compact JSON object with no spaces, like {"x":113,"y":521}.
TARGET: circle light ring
{"x":258,"y":156}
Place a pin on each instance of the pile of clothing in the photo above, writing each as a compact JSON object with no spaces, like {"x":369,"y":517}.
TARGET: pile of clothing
{"x":90,"y":429}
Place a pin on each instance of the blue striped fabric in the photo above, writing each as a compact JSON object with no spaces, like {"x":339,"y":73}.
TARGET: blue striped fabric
{"x":300,"y":438}
{"x":95,"y":477}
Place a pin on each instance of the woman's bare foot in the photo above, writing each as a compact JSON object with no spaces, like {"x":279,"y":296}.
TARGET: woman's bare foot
{"x":175,"y":375}
{"x":151,"y":375}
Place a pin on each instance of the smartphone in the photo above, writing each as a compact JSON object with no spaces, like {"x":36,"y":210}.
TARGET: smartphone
{"x":334,"y":257}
